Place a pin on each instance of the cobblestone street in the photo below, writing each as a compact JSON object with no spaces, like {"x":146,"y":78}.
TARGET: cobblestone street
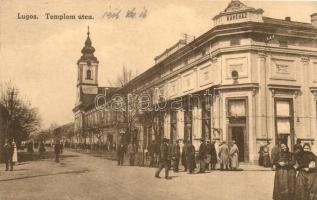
{"x":82,"y":176}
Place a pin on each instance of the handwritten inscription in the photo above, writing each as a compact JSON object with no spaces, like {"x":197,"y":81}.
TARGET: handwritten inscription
{"x":133,"y":13}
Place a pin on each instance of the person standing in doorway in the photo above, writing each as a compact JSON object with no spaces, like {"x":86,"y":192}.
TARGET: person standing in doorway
{"x":164,"y":159}
{"x":234,"y":156}
{"x":8,"y":153}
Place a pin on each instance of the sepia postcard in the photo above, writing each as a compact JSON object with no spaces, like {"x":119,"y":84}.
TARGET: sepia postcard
{"x":160,"y":99}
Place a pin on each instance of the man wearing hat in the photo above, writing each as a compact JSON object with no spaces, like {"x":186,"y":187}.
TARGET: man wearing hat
{"x":176,"y":153}
{"x":164,"y":159}
{"x":208,"y":154}
{"x":184,"y":155}
{"x":202,"y":156}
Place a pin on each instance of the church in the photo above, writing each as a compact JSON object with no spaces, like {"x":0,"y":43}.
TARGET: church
{"x":250,"y":78}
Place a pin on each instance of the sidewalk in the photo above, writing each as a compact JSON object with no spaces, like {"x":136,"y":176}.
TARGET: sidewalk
{"x":139,"y":160}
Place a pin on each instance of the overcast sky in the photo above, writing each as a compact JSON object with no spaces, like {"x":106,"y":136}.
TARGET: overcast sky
{"x":39,"y":56}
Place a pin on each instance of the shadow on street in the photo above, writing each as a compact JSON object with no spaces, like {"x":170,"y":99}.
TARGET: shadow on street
{"x":48,"y":174}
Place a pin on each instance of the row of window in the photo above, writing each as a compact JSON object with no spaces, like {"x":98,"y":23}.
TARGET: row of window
{"x":237,"y":16}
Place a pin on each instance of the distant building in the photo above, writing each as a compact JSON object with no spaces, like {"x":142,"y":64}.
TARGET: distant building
{"x":250,"y":78}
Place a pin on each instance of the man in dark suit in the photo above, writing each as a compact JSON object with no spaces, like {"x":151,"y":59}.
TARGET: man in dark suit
{"x":176,"y":153}
{"x":164,"y":159}
{"x":8,"y":153}
{"x":190,"y":153}
{"x":202,"y":156}
{"x":120,"y":153}
{"x":57,"y":150}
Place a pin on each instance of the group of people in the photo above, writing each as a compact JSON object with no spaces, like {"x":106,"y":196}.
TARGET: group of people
{"x":170,"y":156}
{"x":10,"y":154}
{"x":131,"y":152}
{"x":296,"y":172}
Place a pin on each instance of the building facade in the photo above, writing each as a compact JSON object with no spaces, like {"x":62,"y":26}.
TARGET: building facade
{"x":250,"y":78}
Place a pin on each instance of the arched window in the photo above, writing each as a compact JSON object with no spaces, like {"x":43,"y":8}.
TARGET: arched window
{"x":88,"y":74}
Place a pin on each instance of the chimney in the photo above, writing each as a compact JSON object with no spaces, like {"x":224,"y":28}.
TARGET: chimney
{"x":288,"y":19}
{"x":313,"y":19}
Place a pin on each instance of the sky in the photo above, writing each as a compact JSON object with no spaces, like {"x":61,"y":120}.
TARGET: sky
{"x":39,"y":56}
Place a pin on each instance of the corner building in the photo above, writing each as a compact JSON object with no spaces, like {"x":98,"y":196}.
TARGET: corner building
{"x":250,"y":78}
{"x":255,"y":77}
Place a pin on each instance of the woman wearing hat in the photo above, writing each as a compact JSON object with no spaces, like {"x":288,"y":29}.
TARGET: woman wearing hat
{"x":306,"y":177}
{"x":284,"y":181}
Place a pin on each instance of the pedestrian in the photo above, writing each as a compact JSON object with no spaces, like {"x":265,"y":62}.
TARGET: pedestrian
{"x":285,"y":175}
{"x":191,"y":163}
{"x":202,"y":156}
{"x":57,"y":150}
{"x":234,"y":156}
{"x":41,"y":149}
{"x":120,"y":153}
{"x":274,"y":154}
{"x":266,"y":161}
{"x":151,"y":150}
{"x":8,"y":154}
{"x":184,"y":155}
{"x":214,"y":158}
{"x":208,"y":155}
{"x":164,"y":159}
{"x":224,"y":156}
{"x":176,"y":154}
{"x":61,"y":147}
{"x":131,"y":153}
{"x":305,"y":168}
{"x":298,"y":149}
{"x":261,"y":152}
{"x":15,"y":153}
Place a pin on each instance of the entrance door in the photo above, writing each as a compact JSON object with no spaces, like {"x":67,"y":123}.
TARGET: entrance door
{"x":237,"y":134}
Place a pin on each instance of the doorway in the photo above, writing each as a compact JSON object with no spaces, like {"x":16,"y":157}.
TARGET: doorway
{"x":237,"y":134}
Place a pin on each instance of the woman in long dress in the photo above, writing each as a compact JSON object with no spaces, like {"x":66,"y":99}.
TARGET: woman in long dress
{"x":285,"y":175}
{"x":234,"y":156}
{"x":15,"y":153}
{"x":306,"y":181}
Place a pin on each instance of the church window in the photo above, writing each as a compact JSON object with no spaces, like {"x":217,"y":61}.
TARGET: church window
{"x":88,"y":75}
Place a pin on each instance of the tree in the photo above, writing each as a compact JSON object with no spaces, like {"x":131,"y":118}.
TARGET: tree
{"x":123,"y":78}
{"x":22,"y":119}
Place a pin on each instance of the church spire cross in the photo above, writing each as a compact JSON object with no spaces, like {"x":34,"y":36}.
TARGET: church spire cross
{"x":88,"y":33}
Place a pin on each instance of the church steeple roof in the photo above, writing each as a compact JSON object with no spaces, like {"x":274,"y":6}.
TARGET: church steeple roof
{"x":88,"y":51}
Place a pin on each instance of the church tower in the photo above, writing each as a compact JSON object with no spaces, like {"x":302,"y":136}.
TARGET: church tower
{"x":87,"y":66}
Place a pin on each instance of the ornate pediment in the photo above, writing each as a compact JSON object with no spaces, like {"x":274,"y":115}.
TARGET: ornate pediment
{"x":236,"y":5}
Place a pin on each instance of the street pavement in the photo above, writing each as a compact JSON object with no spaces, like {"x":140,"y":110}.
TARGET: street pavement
{"x":85,"y":177}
